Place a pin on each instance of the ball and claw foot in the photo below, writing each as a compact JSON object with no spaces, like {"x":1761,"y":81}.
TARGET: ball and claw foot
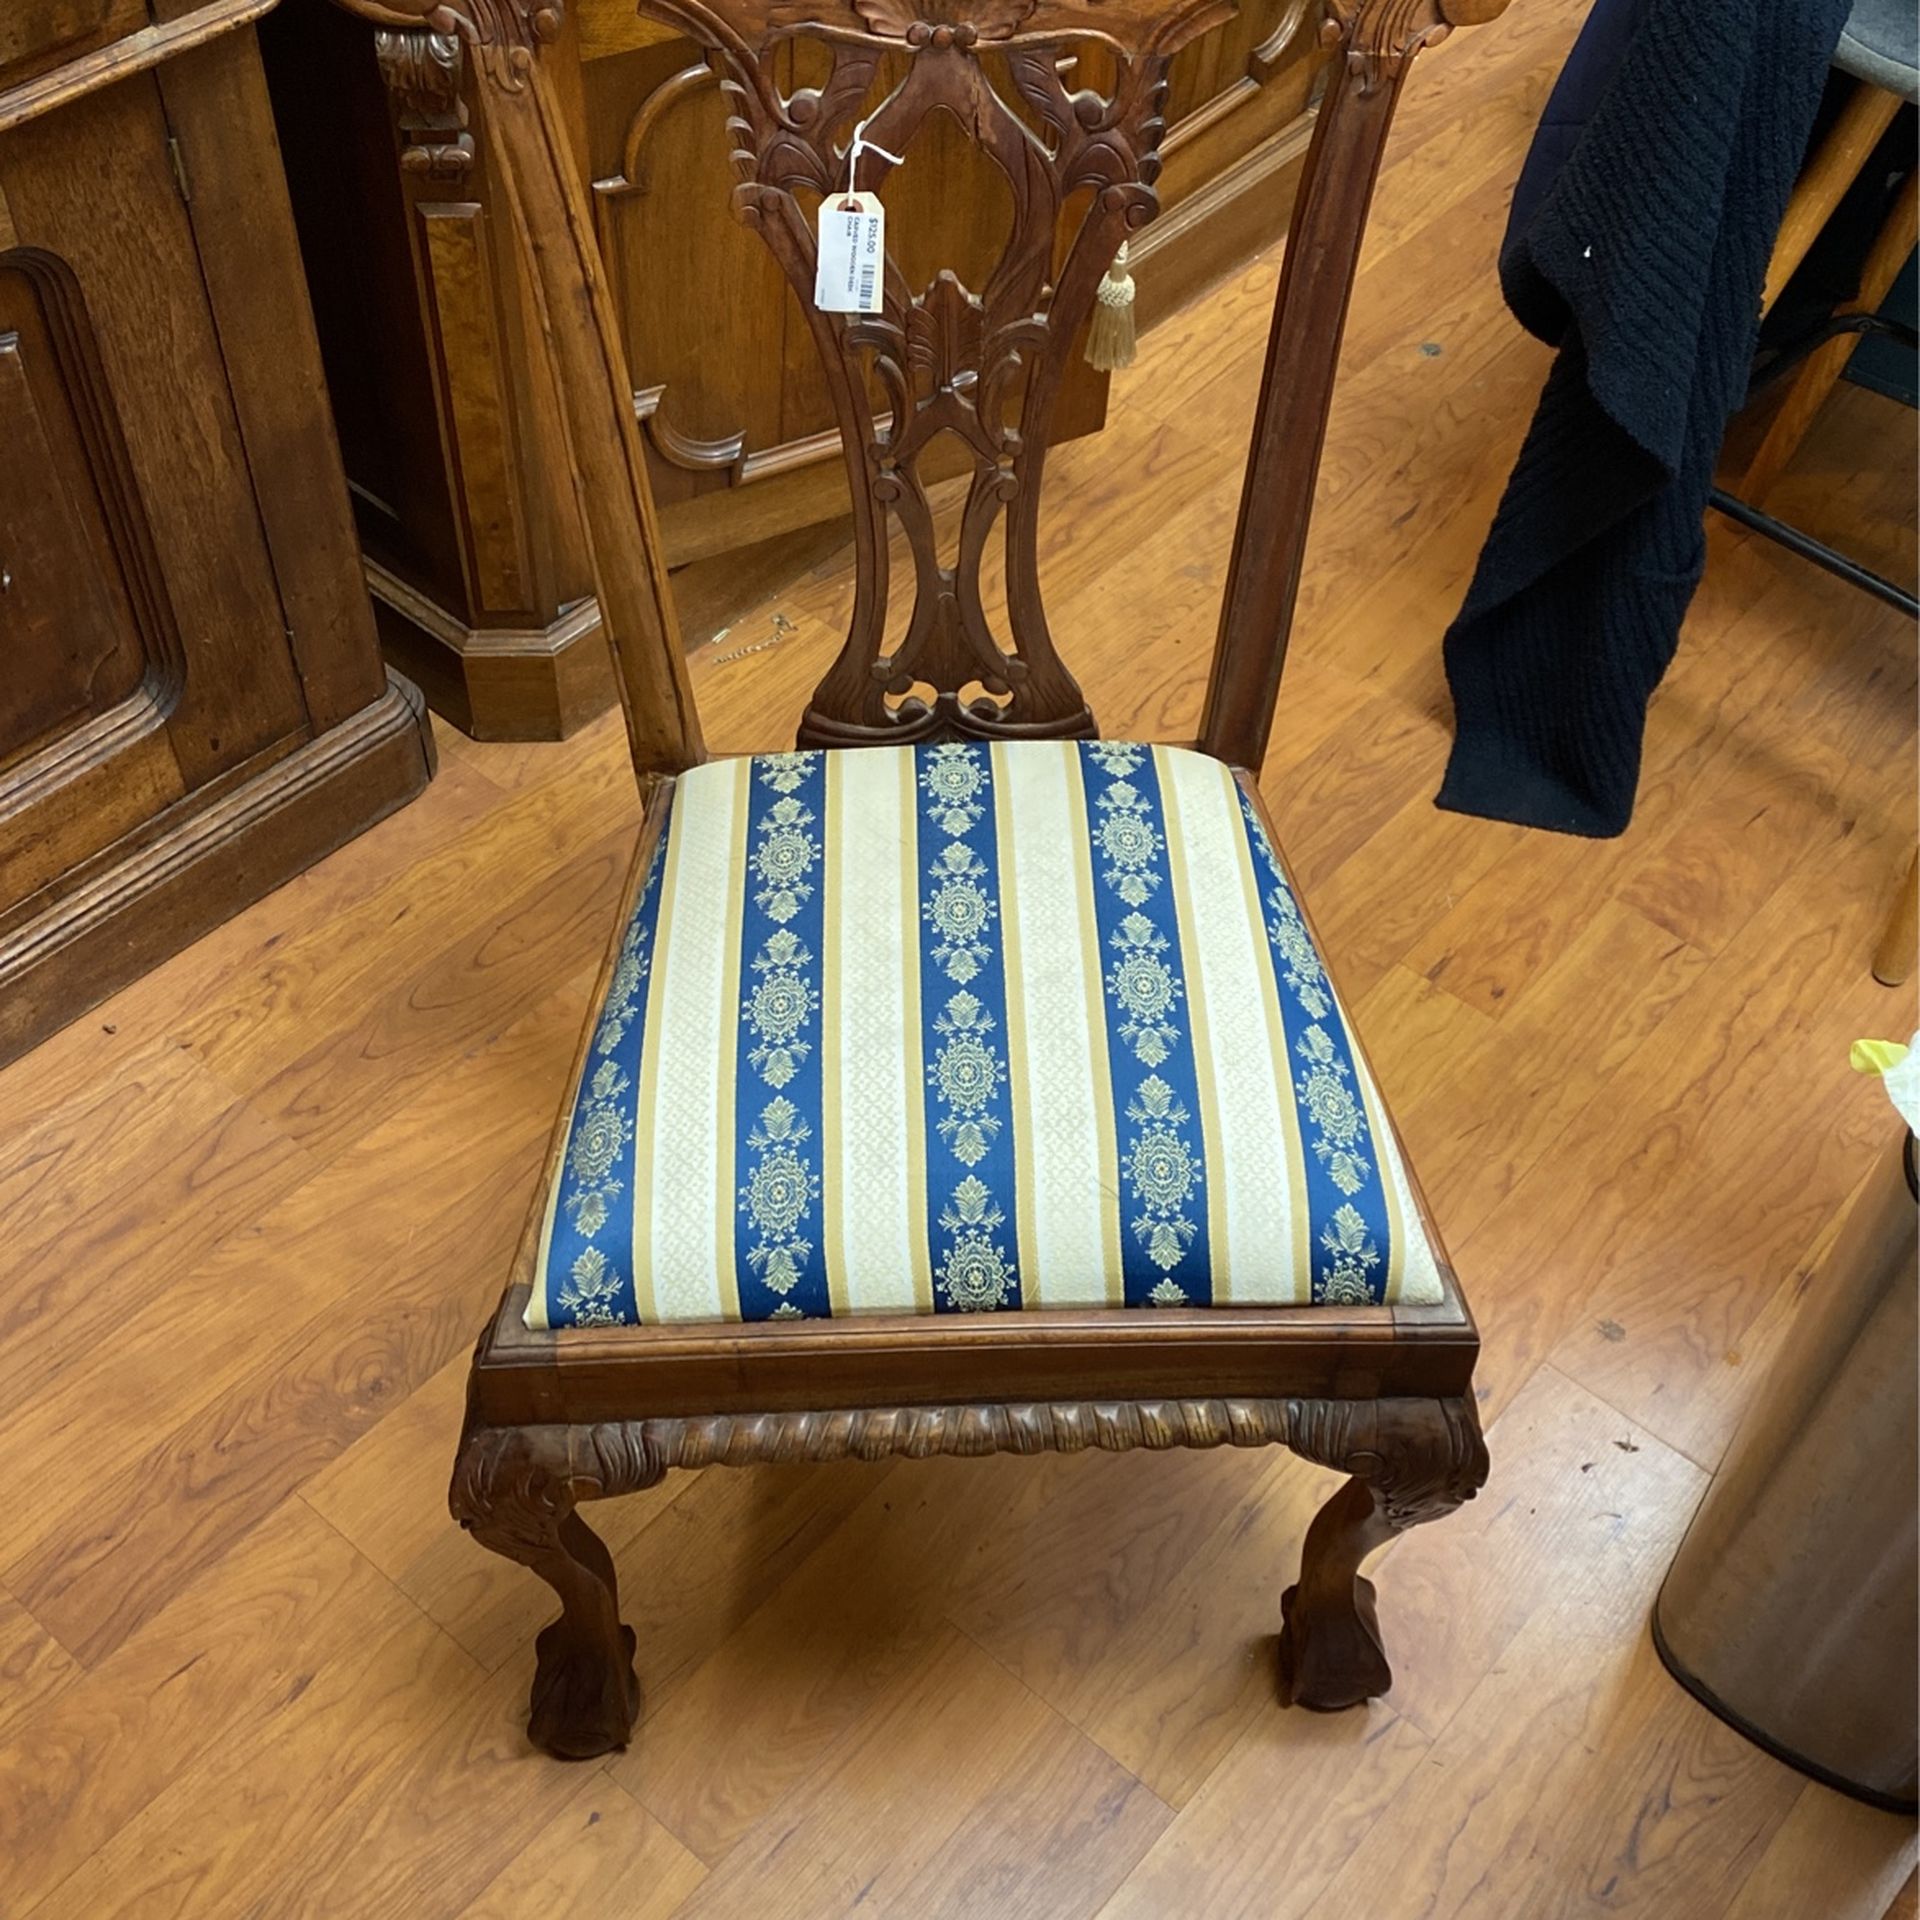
{"x":1333,"y":1662}
{"x":582,"y":1705}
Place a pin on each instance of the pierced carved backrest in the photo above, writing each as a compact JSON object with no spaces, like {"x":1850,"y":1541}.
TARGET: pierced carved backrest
{"x":979,"y":364}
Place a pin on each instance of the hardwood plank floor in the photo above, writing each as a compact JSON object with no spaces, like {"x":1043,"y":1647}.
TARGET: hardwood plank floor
{"x":247,"y":1666}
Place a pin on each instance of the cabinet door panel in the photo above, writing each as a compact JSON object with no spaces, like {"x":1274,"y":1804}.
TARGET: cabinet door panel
{"x":1236,"y":86}
{"x":70,"y":647}
{"x":88,"y":660}
{"x":192,"y":706}
{"x":93,"y":188}
{"x":739,"y":426}
{"x":701,"y":300}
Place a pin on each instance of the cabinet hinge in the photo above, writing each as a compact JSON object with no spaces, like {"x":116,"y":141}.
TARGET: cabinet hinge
{"x":178,"y":161}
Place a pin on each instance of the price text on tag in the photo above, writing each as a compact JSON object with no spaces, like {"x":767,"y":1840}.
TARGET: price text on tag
{"x":852,"y":254}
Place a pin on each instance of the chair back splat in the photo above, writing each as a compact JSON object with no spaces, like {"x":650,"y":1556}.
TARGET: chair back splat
{"x":983,"y":366}
{"x":1065,"y":97}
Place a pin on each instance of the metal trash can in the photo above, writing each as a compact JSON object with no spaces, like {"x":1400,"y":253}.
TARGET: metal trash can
{"x":1792,"y":1609}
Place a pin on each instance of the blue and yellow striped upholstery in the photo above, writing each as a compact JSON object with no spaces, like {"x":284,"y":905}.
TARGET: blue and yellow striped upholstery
{"x":951,"y":1028}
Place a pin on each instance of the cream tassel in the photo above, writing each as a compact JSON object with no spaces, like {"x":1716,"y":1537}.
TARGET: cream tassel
{"x":1110,"y":340}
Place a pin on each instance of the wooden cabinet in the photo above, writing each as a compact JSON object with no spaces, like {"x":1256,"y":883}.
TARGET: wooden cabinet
{"x":475,"y":556}
{"x":192,"y":702}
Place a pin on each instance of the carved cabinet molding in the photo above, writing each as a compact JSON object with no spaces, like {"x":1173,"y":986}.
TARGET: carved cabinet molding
{"x":192,"y":701}
{"x":475,"y":557}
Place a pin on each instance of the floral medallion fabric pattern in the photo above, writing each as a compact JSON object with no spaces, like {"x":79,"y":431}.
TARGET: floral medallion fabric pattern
{"x":1348,"y":1261}
{"x":583,"y":1263}
{"x":1162,"y":1157}
{"x":779,"y":1261}
{"x":970,"y":1028}
{"x":963,"y":1006}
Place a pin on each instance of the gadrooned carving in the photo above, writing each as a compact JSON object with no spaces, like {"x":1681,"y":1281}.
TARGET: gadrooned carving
{"x":1420,"y":1456}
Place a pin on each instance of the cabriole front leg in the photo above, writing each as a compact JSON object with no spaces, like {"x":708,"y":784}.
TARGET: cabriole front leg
{"x":515,"y":1489}
{"x":1410,"y":1460}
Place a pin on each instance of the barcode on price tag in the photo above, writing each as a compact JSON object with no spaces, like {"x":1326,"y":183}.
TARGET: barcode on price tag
{"x":852,"y":254}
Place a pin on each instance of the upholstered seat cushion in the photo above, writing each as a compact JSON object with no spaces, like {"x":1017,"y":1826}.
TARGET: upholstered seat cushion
{"x":957,"y":1027}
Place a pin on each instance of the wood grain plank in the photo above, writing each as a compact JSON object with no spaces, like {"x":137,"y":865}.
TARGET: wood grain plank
{"x":1144,"y":1605}
{"x":1831,"y":1855}
{"x":436,"y":1818}
{"x":1371,"y":909}
{"x":33,"y":1664}
{"x":1717,"y":1398}
{"x":323,"y":974}
{"x":233,"y":1647}
{"x":888,"y":1826}
{"x":1582,"y":1507}
{"x":1483,"y":1101}
{"x":96,"y":1050}
{"x":1686,"y":1142}
{"x":769,"y":1707}
{"x":396,"y":1676}
{"x":113,"y":1560}
{"x":600,"y":1854}
{"x":1282,"y":1813}
{"x":462,"y":996}
{"x":1058,"y":1826}
{"x":1716,"y":1087}
{"x":143,"y":1172}
{"x":1577,"y":1778}
{"x":167,"y":1465}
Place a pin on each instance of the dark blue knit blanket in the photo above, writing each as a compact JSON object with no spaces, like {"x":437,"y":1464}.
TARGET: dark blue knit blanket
{"x":1639,"y":247}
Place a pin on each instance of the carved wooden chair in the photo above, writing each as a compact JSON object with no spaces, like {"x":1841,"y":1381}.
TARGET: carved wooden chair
{"x":958,"y":1009}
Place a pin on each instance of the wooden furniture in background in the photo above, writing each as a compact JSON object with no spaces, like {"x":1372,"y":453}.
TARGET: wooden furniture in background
{"x":1844,"y":153}
{"x":475,"y":552}
{"x":1382,"y":1393}
{"x":1822,"y":369}
{"x":1848,"y":147}
{"x":1831,"y":169}
{"x":193,"y":705}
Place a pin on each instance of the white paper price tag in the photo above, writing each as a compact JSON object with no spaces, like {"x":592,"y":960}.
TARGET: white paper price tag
{"x":852,"y":254}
